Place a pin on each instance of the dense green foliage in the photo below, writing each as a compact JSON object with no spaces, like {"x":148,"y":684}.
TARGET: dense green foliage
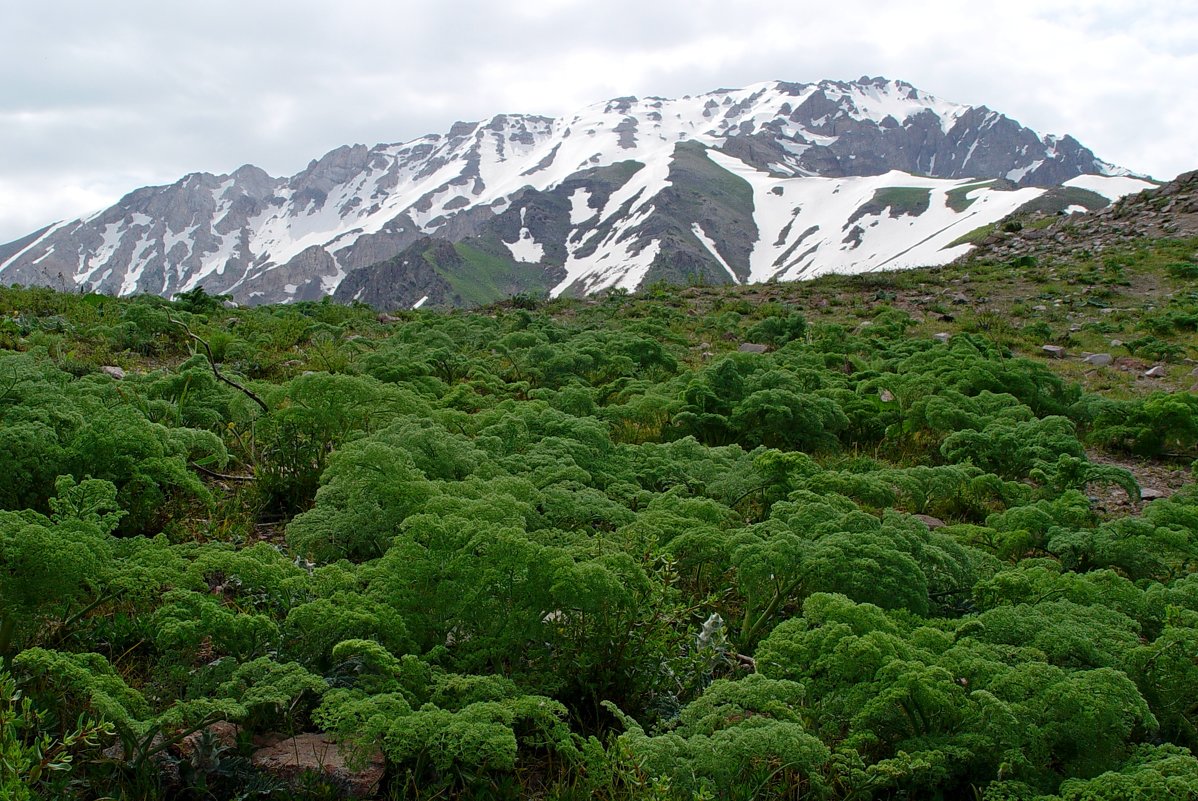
{"x":577,"y":551}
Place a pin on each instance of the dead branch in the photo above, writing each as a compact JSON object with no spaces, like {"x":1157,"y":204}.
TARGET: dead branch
{"x":249,"y":393}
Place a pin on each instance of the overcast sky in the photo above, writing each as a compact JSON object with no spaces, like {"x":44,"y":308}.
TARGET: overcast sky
{"x":98,"y":99}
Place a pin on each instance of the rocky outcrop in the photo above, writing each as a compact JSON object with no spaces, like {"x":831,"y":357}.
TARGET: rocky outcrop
{"x":403,"y":280}
{"x":1170,"y":210}
{"x":290,"y":759}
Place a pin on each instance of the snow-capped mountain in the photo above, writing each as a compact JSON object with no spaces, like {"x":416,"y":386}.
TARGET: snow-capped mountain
{"x":776,"y":181}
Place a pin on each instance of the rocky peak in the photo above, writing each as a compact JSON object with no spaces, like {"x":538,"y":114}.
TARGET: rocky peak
{"x":604,"y":197}
{"x":333,"y":168}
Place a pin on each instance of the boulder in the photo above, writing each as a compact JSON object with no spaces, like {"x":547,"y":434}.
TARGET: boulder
{"x":112,"y":370}
{"x":943,"y":336}
{"x":930,"y":522}
{"x":1152,"y":494}
{"x":1098,"y":359}
{"x":318,"y":753}
{"x":752,"y":347}
{"x":222,"y":731}
{"x":1053,"y":351}
{"x":1156,"y":372}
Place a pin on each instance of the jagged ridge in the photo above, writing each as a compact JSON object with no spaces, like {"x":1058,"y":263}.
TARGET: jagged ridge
{"x":735,"y":185}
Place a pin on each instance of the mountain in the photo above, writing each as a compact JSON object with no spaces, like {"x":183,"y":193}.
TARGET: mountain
{"x":777,"y":181}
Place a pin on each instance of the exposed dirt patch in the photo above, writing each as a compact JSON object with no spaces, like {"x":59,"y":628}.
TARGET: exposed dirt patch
{"x":1157,"y":479}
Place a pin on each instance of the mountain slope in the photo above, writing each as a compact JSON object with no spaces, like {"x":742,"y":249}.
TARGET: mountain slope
{"x":775,"y":181}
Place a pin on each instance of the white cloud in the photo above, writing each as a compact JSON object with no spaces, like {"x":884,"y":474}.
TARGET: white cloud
{"x":99,"y":100}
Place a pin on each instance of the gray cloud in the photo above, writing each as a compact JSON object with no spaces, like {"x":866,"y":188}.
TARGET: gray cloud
{"x":102,"y":98}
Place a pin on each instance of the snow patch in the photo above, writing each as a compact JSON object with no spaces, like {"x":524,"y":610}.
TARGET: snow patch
{"x":1112,"y":187}
{"x":801,"y":230}
{"x":420,"y":302}
{"x":617,"y":261}
{"x":52,"y":229}
{"x":580,"y":210}
{"x":1017,"y":175}
{"x":526,"y":249}
{"x":709,"y":243}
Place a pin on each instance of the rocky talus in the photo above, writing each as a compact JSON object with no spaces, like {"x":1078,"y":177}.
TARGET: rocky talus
{"x":1168,"y":211}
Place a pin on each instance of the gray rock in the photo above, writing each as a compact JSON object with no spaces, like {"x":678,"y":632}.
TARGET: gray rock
{"x":1152,"y":494}
{"x":1053,"y":351}
{"x":222,"y":731}
{"x":930,"y":522}
{"x":113,"y":370}
{"x":886,"y":396}
{"x":290,"y":759}
{"x":1156,"y":372}
{"x":1098,"y":359}
{"x":231,"y":304}
{"x":752,"y":347}
{"x":1116,"y":343}
{"x":942,"y":336}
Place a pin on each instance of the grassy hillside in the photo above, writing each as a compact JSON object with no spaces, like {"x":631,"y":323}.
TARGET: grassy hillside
{"x":856,"y":538}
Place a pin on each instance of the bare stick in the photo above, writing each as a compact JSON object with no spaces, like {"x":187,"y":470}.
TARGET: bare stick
{"x":249,"y":393}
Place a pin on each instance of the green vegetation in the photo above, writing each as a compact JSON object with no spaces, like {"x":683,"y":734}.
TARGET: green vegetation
{"x":1036,"y":213}
{"x":485,"y":276}
{"x":1059,"y":198}
{"x":899,"y":200}
{"x":957,"y":200}
{"x":587,"y":548}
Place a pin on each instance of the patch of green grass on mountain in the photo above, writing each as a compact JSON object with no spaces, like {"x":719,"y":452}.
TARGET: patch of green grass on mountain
{"x":900,"y":200}
{"x":487,"y":277}
{"x":701,"y":190}
{"x":973,"y":237}
{"x":724,"y":186}
{"x":1059,"y":198}
{"x":957,"y":200}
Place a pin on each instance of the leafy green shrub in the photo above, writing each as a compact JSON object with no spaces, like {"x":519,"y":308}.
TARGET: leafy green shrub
{"x":777,"y":330}
{"x":1183,"y":270}
{"x":1162,"y":422}
{"x":1150,"y":347}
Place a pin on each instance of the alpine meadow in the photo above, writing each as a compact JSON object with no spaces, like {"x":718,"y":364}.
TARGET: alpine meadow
{"x":891,"y":536}
{"x":819,"y":440}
